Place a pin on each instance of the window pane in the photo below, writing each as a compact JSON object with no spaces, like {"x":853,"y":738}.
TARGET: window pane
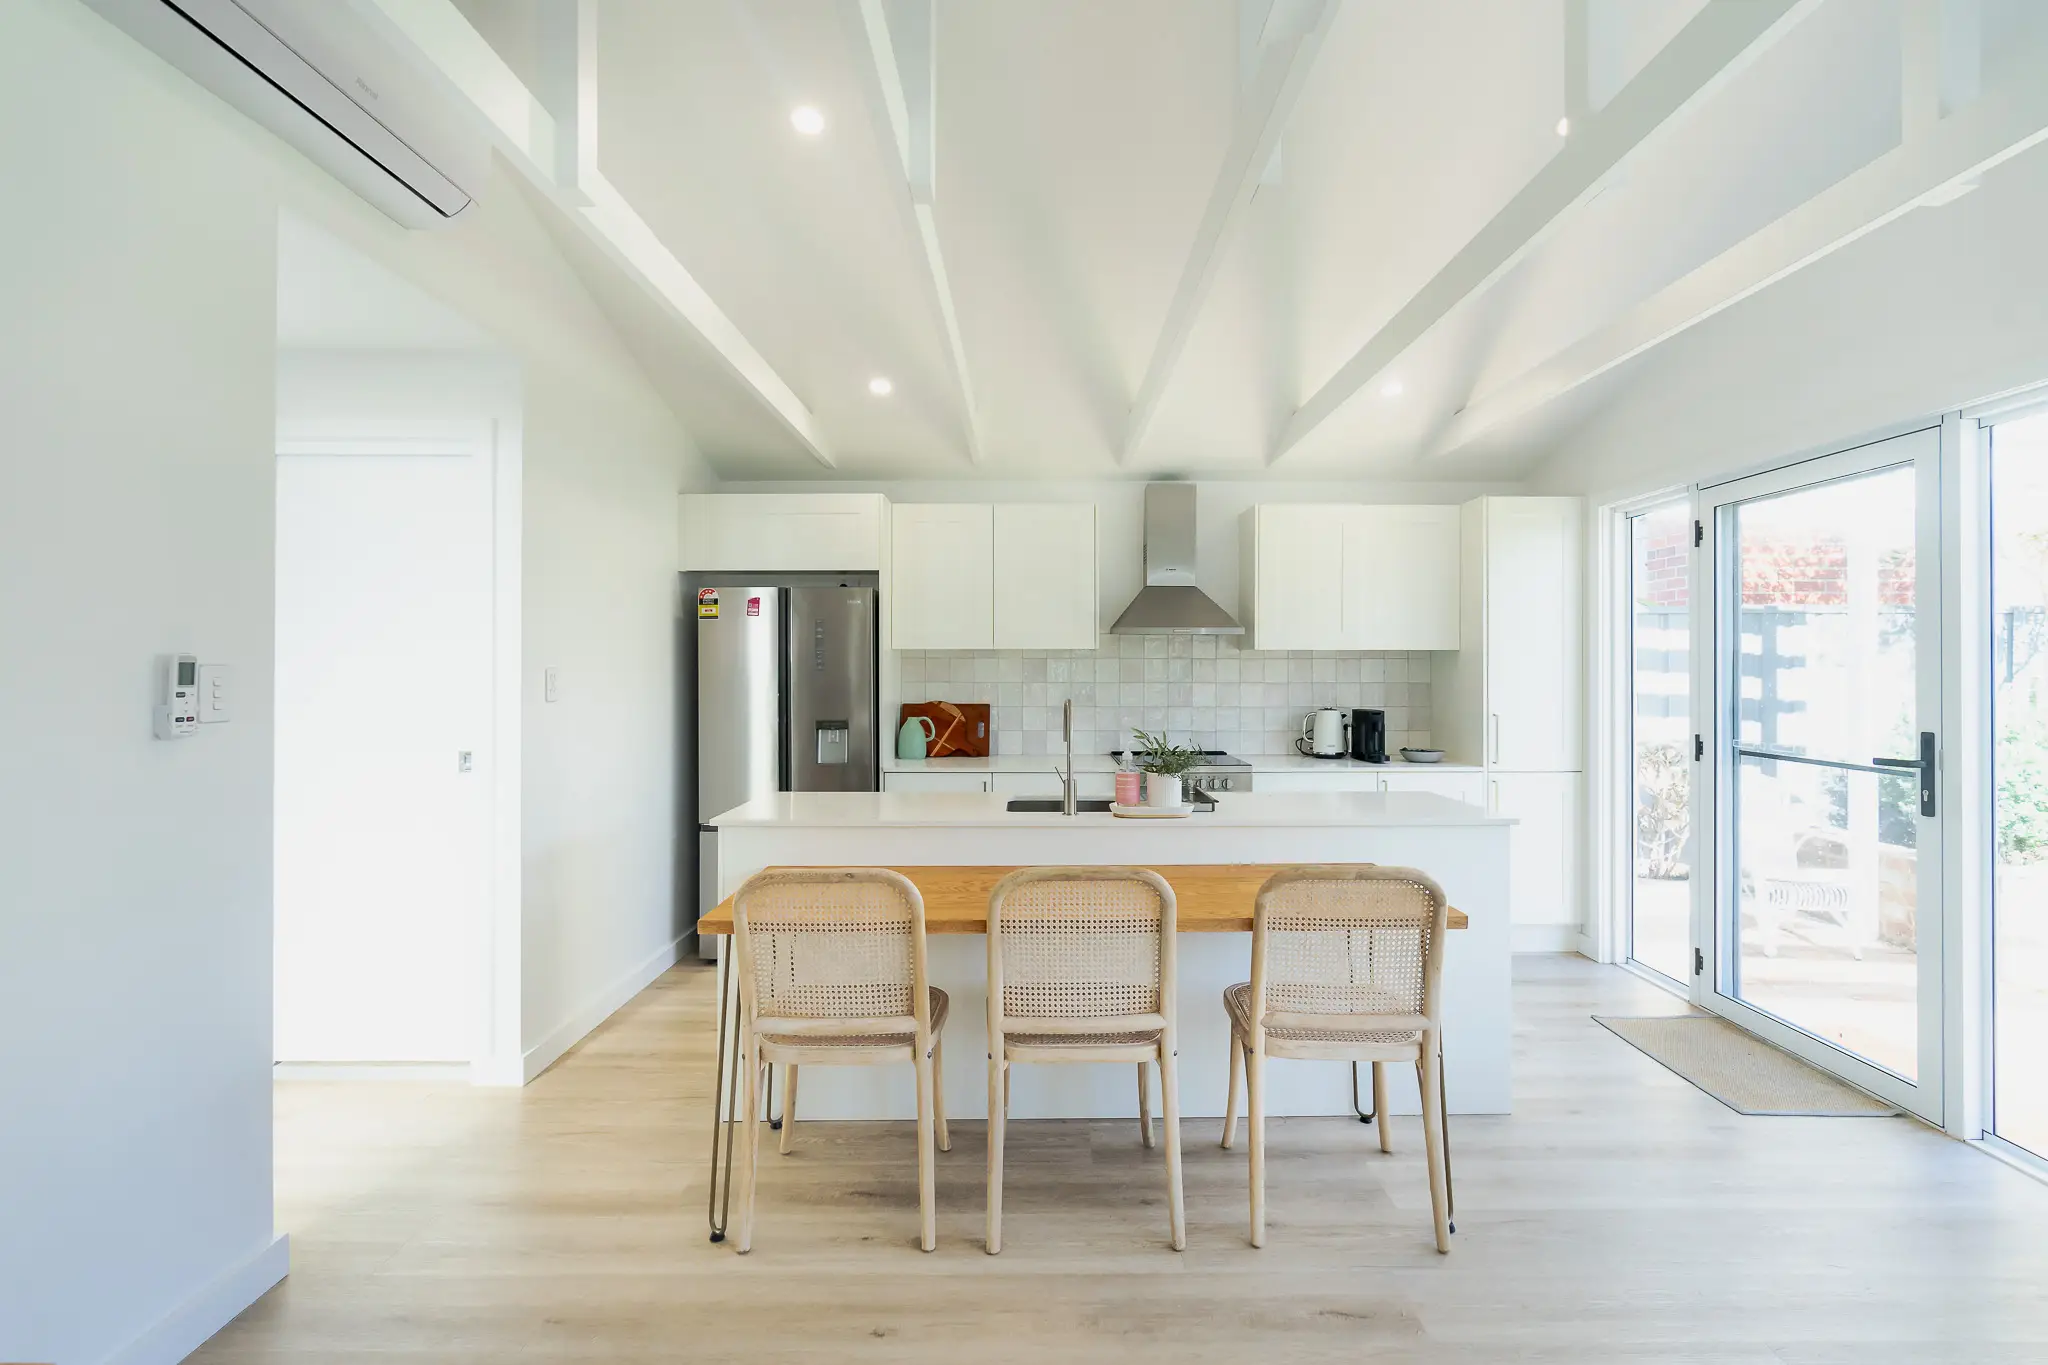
{"x":1660,"y":553}
{"x":2019,"y":597}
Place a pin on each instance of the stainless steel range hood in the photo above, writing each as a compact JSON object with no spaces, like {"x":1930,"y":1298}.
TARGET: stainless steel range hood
{"x":1170,"y":603}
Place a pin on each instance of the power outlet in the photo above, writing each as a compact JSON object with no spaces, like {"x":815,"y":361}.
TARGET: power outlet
{"x":551,"y":684}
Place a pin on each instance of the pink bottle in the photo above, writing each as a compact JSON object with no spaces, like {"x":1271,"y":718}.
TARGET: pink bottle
{"x":1127,"y":788}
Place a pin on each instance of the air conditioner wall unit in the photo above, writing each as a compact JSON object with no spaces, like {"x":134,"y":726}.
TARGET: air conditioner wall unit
{"x":318,"y":75}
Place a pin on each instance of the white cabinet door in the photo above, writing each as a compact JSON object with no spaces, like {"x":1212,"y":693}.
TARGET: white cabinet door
{"x":1543,"y":850}
{"x":1533,"y":696}
{"x":1045,"y":593}
{"x":1400,"y":578}
{"x":934,"y":782}
{"x":1298,"y":576}
{"x":941,"y":572}
{"x":1047,"y":783}
{"x":1296,"y":780}
{"x":1467,"y":787}
{"x":756,"y":532}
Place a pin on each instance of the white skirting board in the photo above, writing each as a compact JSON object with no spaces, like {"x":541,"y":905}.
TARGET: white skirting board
{"x":186,"y":1328}
{"x":577,"y":1026}
{"x":1544,"y":938}
{"x":370,"y":1071}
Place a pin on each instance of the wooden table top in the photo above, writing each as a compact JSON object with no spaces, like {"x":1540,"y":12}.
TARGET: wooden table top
{"x":1208,"y":898}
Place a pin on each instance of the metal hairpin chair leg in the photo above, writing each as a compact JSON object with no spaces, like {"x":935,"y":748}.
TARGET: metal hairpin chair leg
{"x":1364,"y":1115}
{"x":719,"y":1206}
{"x":1444,"y":1125}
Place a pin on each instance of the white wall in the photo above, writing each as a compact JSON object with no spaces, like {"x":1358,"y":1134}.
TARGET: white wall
{"x":137,"y":330}
{"x":136,"y":319}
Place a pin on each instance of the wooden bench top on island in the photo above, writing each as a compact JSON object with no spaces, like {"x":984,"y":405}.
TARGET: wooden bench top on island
{"x":1208,"y":898}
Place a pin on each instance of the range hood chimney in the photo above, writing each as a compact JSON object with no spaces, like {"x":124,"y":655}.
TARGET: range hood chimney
{"x":1170,"y":603}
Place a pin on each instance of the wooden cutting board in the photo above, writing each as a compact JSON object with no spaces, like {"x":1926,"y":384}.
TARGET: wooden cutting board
{"x":962,"y":727}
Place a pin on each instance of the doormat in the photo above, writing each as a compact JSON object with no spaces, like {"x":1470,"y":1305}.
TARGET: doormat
{"x":1741,"y":1070}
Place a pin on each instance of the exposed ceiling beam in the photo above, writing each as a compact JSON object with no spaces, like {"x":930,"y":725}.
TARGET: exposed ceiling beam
{"x":568,"y":86}
{"x":1291,"y":34}
{"x":1928,"y":171}
{"x":1718,"y":41}
{"x":902,"y":96}
{"x":541,"y":147}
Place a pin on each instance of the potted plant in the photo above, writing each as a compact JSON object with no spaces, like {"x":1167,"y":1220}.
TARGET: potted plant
{"x":1163,"y":763}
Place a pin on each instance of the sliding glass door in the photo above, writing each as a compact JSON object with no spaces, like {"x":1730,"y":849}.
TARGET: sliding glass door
{"x":1660,"y":739}
{"x":1825,"y":679}
{"x":2019,"y":766}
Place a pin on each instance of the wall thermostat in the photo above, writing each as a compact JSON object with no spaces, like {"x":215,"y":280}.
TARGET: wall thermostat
{"x":177,"y":711}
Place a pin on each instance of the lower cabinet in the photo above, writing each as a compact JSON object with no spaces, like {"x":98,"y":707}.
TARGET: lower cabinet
{"x":934,"y":782}
{"x":1543,"y":855}
{"x":1469,"y":787}
{"x":1092,"y":785}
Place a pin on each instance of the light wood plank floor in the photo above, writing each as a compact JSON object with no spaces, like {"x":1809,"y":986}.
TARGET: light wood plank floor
{"x":1620,"y":1215}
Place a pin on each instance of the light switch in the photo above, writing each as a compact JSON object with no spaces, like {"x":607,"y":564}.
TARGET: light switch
{"x":213,"y":693}
{"x":551,"y":684}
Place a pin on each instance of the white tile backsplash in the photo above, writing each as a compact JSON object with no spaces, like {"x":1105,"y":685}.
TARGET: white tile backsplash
{"x":1199,"y":688}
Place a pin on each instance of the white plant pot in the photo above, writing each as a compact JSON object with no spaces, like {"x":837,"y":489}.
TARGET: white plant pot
{"x":1162,"y":791}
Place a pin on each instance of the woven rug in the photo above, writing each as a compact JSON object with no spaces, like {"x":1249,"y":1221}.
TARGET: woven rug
{"x":1741,"y":1070}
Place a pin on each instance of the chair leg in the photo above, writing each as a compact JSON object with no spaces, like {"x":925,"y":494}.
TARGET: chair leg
{"x":1144,"y":1104}
{"x":998,"y":1111}
{"x":928,"y":1230}
{"x":788,"y":1105}
{"x":938,"y":1093}
{"x":1379,"y":1105}
{"x":1169,"y":1105}
{"x":1255,"y":1116}
{"x":1433,"y":1140}
{"x":750,"y":1142}
{"x":1236,"y":1088}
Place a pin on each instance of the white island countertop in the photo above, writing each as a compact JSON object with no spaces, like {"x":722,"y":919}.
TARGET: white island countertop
{"x":1103,"y":763}
{"x":986,"y":810}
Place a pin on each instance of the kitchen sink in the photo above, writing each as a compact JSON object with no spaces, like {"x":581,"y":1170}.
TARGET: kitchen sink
{"x":1050,"y":805}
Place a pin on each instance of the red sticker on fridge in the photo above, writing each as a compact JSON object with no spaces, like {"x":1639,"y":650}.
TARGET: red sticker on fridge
{"x":753,"y":606}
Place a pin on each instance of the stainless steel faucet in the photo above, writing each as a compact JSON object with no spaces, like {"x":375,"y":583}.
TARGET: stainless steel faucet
{"x":1067,"y":806}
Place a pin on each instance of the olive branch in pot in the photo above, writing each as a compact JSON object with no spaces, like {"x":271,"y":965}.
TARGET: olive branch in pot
{"x":1155,"y":754}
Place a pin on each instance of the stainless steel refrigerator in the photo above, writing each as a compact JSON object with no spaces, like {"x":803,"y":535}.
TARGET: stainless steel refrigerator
{"x":786,"y":699}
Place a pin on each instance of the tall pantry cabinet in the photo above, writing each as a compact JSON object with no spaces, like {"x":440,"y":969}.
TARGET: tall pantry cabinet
{"x":1513,"y":697}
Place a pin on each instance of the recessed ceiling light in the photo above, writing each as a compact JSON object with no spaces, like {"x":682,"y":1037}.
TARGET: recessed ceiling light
{"x":1564,"y":127}
{"x":880,"y":387}
{"x":1391,"y":389}
{"x":807,"y":120}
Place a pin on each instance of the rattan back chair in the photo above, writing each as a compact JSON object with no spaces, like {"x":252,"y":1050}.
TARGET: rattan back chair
{"x":1347,"y":963}
{"x":1081,"y":969}
{"x":831,"y":965}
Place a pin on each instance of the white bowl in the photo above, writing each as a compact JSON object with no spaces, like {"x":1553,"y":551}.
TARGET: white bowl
{"x":1422,"y":755}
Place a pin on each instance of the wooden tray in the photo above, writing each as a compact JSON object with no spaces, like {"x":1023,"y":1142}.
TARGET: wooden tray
{"x":961,"y":727}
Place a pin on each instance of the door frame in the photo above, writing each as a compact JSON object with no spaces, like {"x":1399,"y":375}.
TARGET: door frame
{"x":1713,"y":788}
{"x":496,"y":1054}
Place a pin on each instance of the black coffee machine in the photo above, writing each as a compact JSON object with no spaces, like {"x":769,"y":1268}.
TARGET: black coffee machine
{"x":1369,"y":736}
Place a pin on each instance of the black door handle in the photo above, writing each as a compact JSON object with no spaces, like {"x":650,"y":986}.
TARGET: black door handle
{"x":1924,"y":765}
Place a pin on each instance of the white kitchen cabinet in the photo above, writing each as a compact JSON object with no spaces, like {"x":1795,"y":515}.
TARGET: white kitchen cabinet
{"x":1334,"y":780}
{"x":1047,"y":783}
{"x":1459,"y":786}
{"x":1543,"y":853}
{"x":1400,"y":578}
{"x":781,"y":532}
{"x":922,"y":781}
{"x":1512,"y":698}
{"x":1045,"y":576}
{"x":1339,"y":576}
{"x":941,"y":576}
{"x":1291,"y":583}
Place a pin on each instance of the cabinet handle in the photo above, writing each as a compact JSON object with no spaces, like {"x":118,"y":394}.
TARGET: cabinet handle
{"x":1493,"y":798}
{"x":1383,"y":784}
{"x":1496,"y":737}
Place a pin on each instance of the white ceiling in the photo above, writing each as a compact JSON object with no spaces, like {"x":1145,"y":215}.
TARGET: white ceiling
{"x":1077,"y":145}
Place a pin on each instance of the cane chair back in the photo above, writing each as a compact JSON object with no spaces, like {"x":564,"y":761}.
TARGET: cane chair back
{"x":1337,"y":949}
{"x":832,"y":951}
{"x":1080,"y":949}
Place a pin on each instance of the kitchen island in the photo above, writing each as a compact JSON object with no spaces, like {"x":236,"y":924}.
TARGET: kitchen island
{"x":1464,"y":848}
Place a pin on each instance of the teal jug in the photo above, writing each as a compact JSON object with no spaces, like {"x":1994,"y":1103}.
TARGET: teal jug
{"x":916,"y":733}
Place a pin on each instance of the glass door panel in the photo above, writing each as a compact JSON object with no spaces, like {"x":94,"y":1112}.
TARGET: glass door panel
{"x":1826,"y":673}
{"x":1660,"y":667}
{"x":2019,"y":682}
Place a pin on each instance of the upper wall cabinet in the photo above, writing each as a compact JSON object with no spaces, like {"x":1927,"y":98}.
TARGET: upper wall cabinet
{"x":1008,"y":576}
{"x":1045,"y":576}
{"x":1334,"y":576}
{"x":941,"y":575}
{"x":782,"y":532}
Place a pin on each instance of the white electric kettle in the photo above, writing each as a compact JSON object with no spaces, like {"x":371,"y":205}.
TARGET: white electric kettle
{"x":1322,"y":734}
